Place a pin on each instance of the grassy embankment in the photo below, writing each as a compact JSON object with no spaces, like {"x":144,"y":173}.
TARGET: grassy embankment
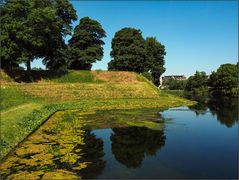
{"x":25,"y":106}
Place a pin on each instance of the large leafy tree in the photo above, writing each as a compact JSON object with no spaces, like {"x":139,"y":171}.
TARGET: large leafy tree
{"x":225,"y":79}
{"x":86,"y":44}
{"x":32,"y":29}
{"x":128,"y":51}
{"x":155,"y":52}
{"x":198,"y":80}
{"x":56,"y":49}
{"x":15,"y":35}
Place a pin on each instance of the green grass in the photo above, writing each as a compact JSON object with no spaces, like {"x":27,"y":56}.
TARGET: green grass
{"x":79,"y":91}
{"x":12,"y":97}
{"x":77,"y":77}
{"x":25,"y":106}
{"x":179,"y":93}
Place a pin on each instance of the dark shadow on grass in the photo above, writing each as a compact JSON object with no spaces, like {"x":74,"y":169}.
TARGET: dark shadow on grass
{"x":34,"y":75}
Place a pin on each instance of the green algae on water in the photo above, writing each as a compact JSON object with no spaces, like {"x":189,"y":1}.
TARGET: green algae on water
{"x":65,"y":148}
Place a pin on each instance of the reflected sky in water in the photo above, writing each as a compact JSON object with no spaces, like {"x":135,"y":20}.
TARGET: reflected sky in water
{"x":196,"y":143}
{"x":200,"y":141}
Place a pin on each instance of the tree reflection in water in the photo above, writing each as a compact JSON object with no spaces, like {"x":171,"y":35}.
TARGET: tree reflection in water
{"x":200,"y":108}
{"x":131,"y":144}
{"x":93,"y":153}
{"x":225,"y":109}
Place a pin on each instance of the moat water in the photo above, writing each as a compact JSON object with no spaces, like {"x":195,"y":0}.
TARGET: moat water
{"x":184,"y":142}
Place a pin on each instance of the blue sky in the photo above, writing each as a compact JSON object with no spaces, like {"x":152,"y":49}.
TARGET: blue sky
{"x":198,"y":35}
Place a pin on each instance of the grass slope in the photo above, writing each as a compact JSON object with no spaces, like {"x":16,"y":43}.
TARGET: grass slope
{"x":25,"y":106}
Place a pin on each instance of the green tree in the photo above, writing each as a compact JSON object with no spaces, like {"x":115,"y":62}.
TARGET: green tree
{"x":225,"y":79}
{"x":14,"y":40}
{"x":55,"y":55}
{"x":33,"y":29}
{"x":198,"y":80}
{"x":174,"y":84}
{"x":128,"y":51}
{"x":86,"y":44}
{"x":155,"y":53}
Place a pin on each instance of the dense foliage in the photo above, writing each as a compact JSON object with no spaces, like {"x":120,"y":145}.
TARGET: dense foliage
{"x":155,"y":53}
{"x":131,"y":52}
{"x":225,"y":79}
{"x":34,"y":29}
{"x":222,"y":82}
{"x":173,"y":84}
{"x":198,"y":80}
{"x":86,"y":44}
{"x":128,"y":51}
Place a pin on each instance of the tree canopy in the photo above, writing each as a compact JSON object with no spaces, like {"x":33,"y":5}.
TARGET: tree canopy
{"x":225,"y":79}
{"x":128,"y":51}
{"x":155,"y":53}
{"x":86,"y":44}
{"x":198,"y":80}
{"x":34,"y":29}
{"x":131,"y":52}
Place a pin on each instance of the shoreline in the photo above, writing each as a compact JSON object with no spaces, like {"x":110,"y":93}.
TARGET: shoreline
{"x":47,"y":110}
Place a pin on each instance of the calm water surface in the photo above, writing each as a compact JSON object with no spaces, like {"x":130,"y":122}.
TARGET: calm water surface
{"x":194,"y":146}
{"x":185,"y":142}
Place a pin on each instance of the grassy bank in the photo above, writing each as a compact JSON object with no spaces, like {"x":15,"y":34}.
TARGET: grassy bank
{"x":25,"y":106}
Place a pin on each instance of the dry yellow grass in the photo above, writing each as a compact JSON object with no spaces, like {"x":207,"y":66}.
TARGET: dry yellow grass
{"x":111,"y":85}
{"x":77,"y":91}
{"x":116,"y":76}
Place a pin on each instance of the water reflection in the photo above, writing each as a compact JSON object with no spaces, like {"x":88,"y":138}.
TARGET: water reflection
{"x":92,"y":153}
{"x":131,"y":144}
{"x":224,"y":108}
{"x":67,"y":147}
{"x":200,"y":108}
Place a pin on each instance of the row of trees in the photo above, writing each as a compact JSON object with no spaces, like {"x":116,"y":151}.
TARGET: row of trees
{"x":173,"y":84}
{"x":222,"y":81}
{"x":225,"y":79}
{"x":33,"y":29}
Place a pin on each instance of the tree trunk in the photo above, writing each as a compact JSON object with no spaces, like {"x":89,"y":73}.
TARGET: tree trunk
{"x":28,"y":65}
